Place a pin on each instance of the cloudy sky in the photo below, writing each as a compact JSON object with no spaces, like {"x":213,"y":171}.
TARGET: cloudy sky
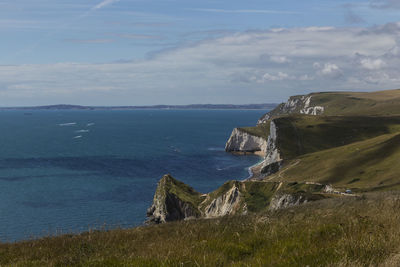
{"x":141,"y":52}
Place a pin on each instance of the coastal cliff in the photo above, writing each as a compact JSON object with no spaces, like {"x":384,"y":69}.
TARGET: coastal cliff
{"x":175,"y":200}
{"x":262,"y":138}
{"x":246,"y":140}
{"x":242,"y":141}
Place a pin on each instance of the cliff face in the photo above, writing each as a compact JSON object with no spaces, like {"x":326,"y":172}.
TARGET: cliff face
{"x":174,"y":200}
{"x":286,"y":200}
{"x":225,"y":204}
{"x":241,"y":141}
{"x":273,"y":160}
{"x":302,"y":104}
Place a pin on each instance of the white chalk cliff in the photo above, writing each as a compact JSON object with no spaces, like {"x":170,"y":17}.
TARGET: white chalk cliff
{"x":272,"y":161}
{"x":242,"y":141}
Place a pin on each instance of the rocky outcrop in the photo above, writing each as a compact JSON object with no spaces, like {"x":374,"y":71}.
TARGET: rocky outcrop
{"x":310,"y":110}
{"x":175,"y":200}
{"x":282,"y":201}
{"x":241,"y":141}
{"x":228,"y":203}
{"x":296,"y":104}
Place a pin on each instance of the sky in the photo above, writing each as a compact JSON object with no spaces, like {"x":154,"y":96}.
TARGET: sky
{"x":145,"y":52}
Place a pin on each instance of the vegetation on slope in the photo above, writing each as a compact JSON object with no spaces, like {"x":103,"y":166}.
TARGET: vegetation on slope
{"x":302,"y":134}
{"x":372,"y":164}
{"x":187,"y":194}
{"x":375,"y":103}
{"x":175,"y":200}
{"x":333,"y":232}
{"x":261,"y":130}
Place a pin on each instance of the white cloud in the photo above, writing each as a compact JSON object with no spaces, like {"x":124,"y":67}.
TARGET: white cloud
{"x":372,"y":64}
{"x":280,"y":76}
{"x":306,"y":77}
{"x":105,"y":3}
{"x":279,"y":59}
{"x":236,"y":68}
{"x":260,"y":11}
{"x":329,"y":68}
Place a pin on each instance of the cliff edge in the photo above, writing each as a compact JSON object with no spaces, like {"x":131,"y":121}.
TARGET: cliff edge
{"x":175,"y":200}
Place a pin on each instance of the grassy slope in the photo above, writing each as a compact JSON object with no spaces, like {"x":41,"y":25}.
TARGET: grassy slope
{"x":301,"y":134}
{"x":181,"y":190}
{"x":259,"y":130}
{"x":372,"y":164}
{"x":350,"y":231}
{"x":256,"y":195}
{"x":375,"y":103}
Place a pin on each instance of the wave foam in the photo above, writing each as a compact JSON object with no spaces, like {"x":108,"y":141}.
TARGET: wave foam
{"x":67,"y":124}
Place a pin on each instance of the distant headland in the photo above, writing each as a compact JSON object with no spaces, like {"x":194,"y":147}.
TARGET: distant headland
{"x":264,"y":106}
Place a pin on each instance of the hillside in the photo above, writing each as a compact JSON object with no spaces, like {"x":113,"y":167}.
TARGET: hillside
{"x":303,"y":134}
{"x":368,"y":165}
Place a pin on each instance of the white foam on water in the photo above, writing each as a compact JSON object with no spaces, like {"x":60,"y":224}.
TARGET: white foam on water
{"x":78,"y":136}
{"x":90,"y":124}
{"x":82,"y":131}
{"x":216,"y":149}
{"x":67,"y":124}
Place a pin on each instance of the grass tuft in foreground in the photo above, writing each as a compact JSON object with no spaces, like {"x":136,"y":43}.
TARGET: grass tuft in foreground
{"x":341,"y":231}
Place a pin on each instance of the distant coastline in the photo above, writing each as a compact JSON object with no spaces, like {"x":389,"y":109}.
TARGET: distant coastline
{"x":192,"y":106}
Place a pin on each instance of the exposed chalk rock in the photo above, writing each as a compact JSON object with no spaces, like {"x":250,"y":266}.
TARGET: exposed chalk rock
{"x":295,"y":104}
{"x":245,"y":142}
{"x":226,"y":204}
{"x":273,"y":159}
{"x":286,"y":200}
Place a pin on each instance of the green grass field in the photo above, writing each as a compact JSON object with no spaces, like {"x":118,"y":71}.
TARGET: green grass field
{"x":259,"y":130}
{"x":367,"y":165}
{"x":303,"y":134}
{"x":374,"y":103}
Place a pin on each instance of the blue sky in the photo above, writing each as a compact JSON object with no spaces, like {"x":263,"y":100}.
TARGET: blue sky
{"x":137,"y":52}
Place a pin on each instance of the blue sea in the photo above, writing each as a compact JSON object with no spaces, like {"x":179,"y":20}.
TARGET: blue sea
{"x":71,"y":171}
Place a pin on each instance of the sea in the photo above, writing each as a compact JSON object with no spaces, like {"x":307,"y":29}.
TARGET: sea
{"x":71,"y":171}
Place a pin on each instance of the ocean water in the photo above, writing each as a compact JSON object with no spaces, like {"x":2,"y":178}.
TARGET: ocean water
{"x":70,"y":171}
